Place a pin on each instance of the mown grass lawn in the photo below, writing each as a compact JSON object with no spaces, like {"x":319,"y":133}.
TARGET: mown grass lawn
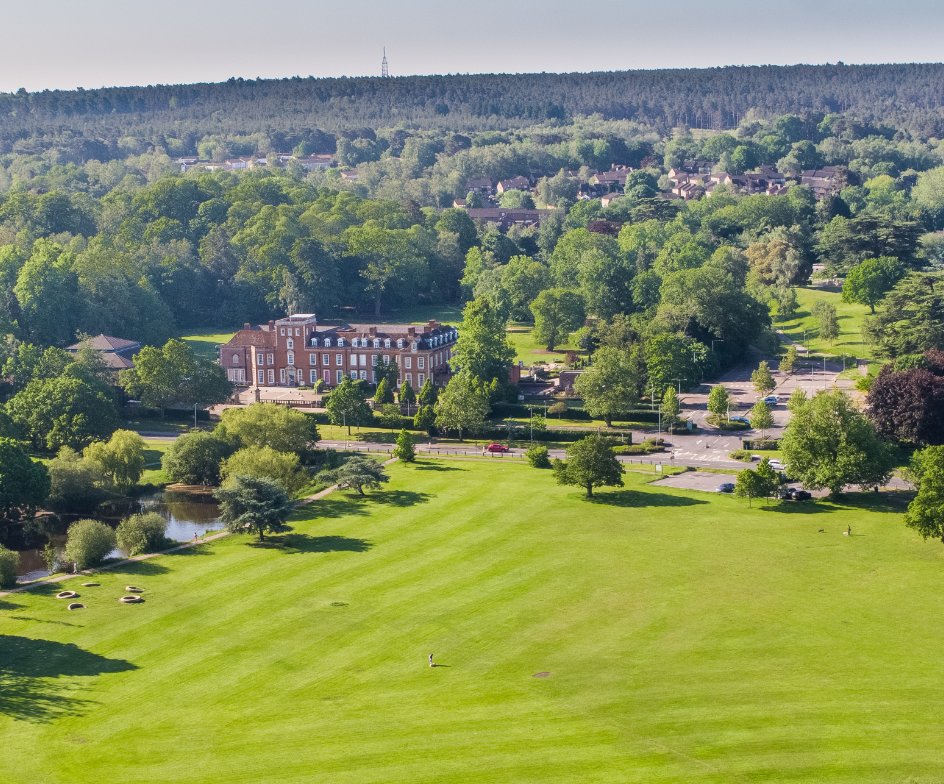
{"x":531,"y":351}
{"x":206,"y":343}
{"x":682,"y":637}
{"x":804,"y":329}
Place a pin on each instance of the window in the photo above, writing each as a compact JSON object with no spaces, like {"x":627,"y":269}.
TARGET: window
{"x":313,"y":376}
{"x":421,"y":362}
{"x":290,"y":357}
{"x":298,"y":332}
{"x":399,"y":342}
{"x":413,"y":346}
{"x":353,"y":375}
{"x":327,"y":377}
{"x":387,"y":343}
{"x":235,"y":359}
{"x":363,"y":375}
{"x":373,"y":359}
{"x":409,"y":378}
{"x":386,"y":359}
{"x":271,"y":376}
{"x":363,"y":360}
{"x":328,"y":342}
{"x":260,"y":359}
{"x":355,"y":342}
{"x":339,"y":359}
{"x":312,"y":359}
{"x":314,"y":341}
{"x":282,"y":331}
{"x":408,"y":363}
{"x":376,"y":342}
{"x":325,"y":359}
{"x":420,"y":379}
{"x":340,"y":342}
{"x":270,"y":359}
{"x":261,"y":377}
{"x":289,"y":343}
{"x":340,"y":376}
{"x":373,"y":376}
{"x":281,"y":375}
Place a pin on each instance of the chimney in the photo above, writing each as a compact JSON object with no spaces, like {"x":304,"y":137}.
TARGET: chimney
{"x":432,"y":324}
{"x":247,"y":325}
{"x":411,"y":332}
{"x":372,"y":331}
{"x":272,"y":325}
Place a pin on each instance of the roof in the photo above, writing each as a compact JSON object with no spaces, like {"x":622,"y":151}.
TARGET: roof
{"x":105,"y":343}
{"x":256,"y":336}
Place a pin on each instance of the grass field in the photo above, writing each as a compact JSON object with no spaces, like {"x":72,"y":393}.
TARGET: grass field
{"x":684,"y":638}
{"x":532,"y":352}
{"x":206,"y":343}
{"x":805,"y":330}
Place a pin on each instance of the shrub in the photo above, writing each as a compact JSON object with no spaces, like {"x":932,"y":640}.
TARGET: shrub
{"x":404,"y":450}
{"x":9,"y":560}
{"x":647,"y":447}
{"x":538,"y":456}
{"x":88,"y":543}
{"x":557,"y":409}
{"x":726,"y":424}
{"x":75,"y":483}
{"x":741,"y":454}
{"x":761,"y":443}
{"x":194,"y":458}
{"x":281,"y":467}
{"x":141,"y":533}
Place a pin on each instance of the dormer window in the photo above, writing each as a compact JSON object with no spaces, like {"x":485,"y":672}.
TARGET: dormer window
{"x":328,"y":342}
{"x":413,"y":346}
{"x":399,"y":342}
{"x":314,"y":341}
{"x":387,"y":343}
{"x":376,"y":342}
{"x":340,"y":342}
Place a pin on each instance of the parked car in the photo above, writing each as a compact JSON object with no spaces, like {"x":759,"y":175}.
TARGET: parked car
{"x":793,"y":494}
{"x":496,"y":448}
{"x":777,"y":465}
{"x":771,"y":400}
{"x":741,"y":419}
{"x":726,"y":487}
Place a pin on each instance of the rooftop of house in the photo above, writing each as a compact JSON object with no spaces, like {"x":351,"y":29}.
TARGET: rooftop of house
{"x":105,"y":344}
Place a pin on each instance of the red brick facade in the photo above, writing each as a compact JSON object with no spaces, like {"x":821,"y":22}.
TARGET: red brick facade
{"x":296,"y":351}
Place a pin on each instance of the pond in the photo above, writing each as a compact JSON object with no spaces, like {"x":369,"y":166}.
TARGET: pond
{"x":186,"y":514}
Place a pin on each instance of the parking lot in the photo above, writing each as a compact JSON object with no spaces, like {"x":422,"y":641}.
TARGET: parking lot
{"x":696,"y":480}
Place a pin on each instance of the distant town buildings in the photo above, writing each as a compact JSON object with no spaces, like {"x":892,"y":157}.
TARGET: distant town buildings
{"x":297,"y":351}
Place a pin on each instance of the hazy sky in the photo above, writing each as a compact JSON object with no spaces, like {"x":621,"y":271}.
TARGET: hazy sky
{"x":92,"y":43}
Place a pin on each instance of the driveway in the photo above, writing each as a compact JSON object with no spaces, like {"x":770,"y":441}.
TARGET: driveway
{"x":696,"y":480}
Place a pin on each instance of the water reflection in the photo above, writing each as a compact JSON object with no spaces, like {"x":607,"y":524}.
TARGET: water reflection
{"x":186,"y":514}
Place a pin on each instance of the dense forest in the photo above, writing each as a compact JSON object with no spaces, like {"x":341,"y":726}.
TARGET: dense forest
{"x":99,"y":123}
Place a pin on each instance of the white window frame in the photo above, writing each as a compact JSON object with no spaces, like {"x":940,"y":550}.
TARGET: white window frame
{"x":408,"y":363}
{"x":339,"y":359}
{"x":363,"y":375}
{"x":340,"y":376}
{"x":261,"y":376}
{"x":421,"y":363}
{"x":271,"y":376}
{"x":312,"y":359}
{"x":353,"y":375}
{"x":289,"y":343}
{"x":290,"y":358}
{"x":420,"y":379}
{"x":325,"y":359}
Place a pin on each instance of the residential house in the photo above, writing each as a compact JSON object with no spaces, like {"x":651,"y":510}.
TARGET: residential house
{"x":296,"y":351}
{"x":515,"y":183}
{"x":511,"y":216}
{"x":610,"y":181}
{"x":316,"y":162}
{"x":480,"y":185}
{"x":116,"y":353}
{"x":825,"y":182}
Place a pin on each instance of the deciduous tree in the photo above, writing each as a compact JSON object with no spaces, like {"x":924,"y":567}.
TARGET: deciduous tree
{"x":253,"y":504}
{"x":590,"y":463}
{"x":463,"y":405}
{"x":612,"y":385}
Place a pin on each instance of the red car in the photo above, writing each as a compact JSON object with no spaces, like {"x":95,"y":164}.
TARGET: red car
{"x":496,"y":448}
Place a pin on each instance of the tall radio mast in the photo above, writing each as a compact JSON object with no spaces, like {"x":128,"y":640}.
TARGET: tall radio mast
{"x":384,"y":69}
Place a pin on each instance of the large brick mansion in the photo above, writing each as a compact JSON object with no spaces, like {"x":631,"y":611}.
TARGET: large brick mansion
{"x":295,"y":351}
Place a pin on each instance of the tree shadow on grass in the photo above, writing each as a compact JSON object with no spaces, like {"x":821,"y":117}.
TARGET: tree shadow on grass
{"x":399,"y":497}
{"x":796,"y":507}
{"x":638,"y":499}
{"x":420,"y":466}
{"x":28,"y":667}
{"x":143,"y":568}
{"x":8,"y":605}
{"x":302,"y":543}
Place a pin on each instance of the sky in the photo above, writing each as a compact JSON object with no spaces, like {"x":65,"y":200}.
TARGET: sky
{"x":94,"y":43}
